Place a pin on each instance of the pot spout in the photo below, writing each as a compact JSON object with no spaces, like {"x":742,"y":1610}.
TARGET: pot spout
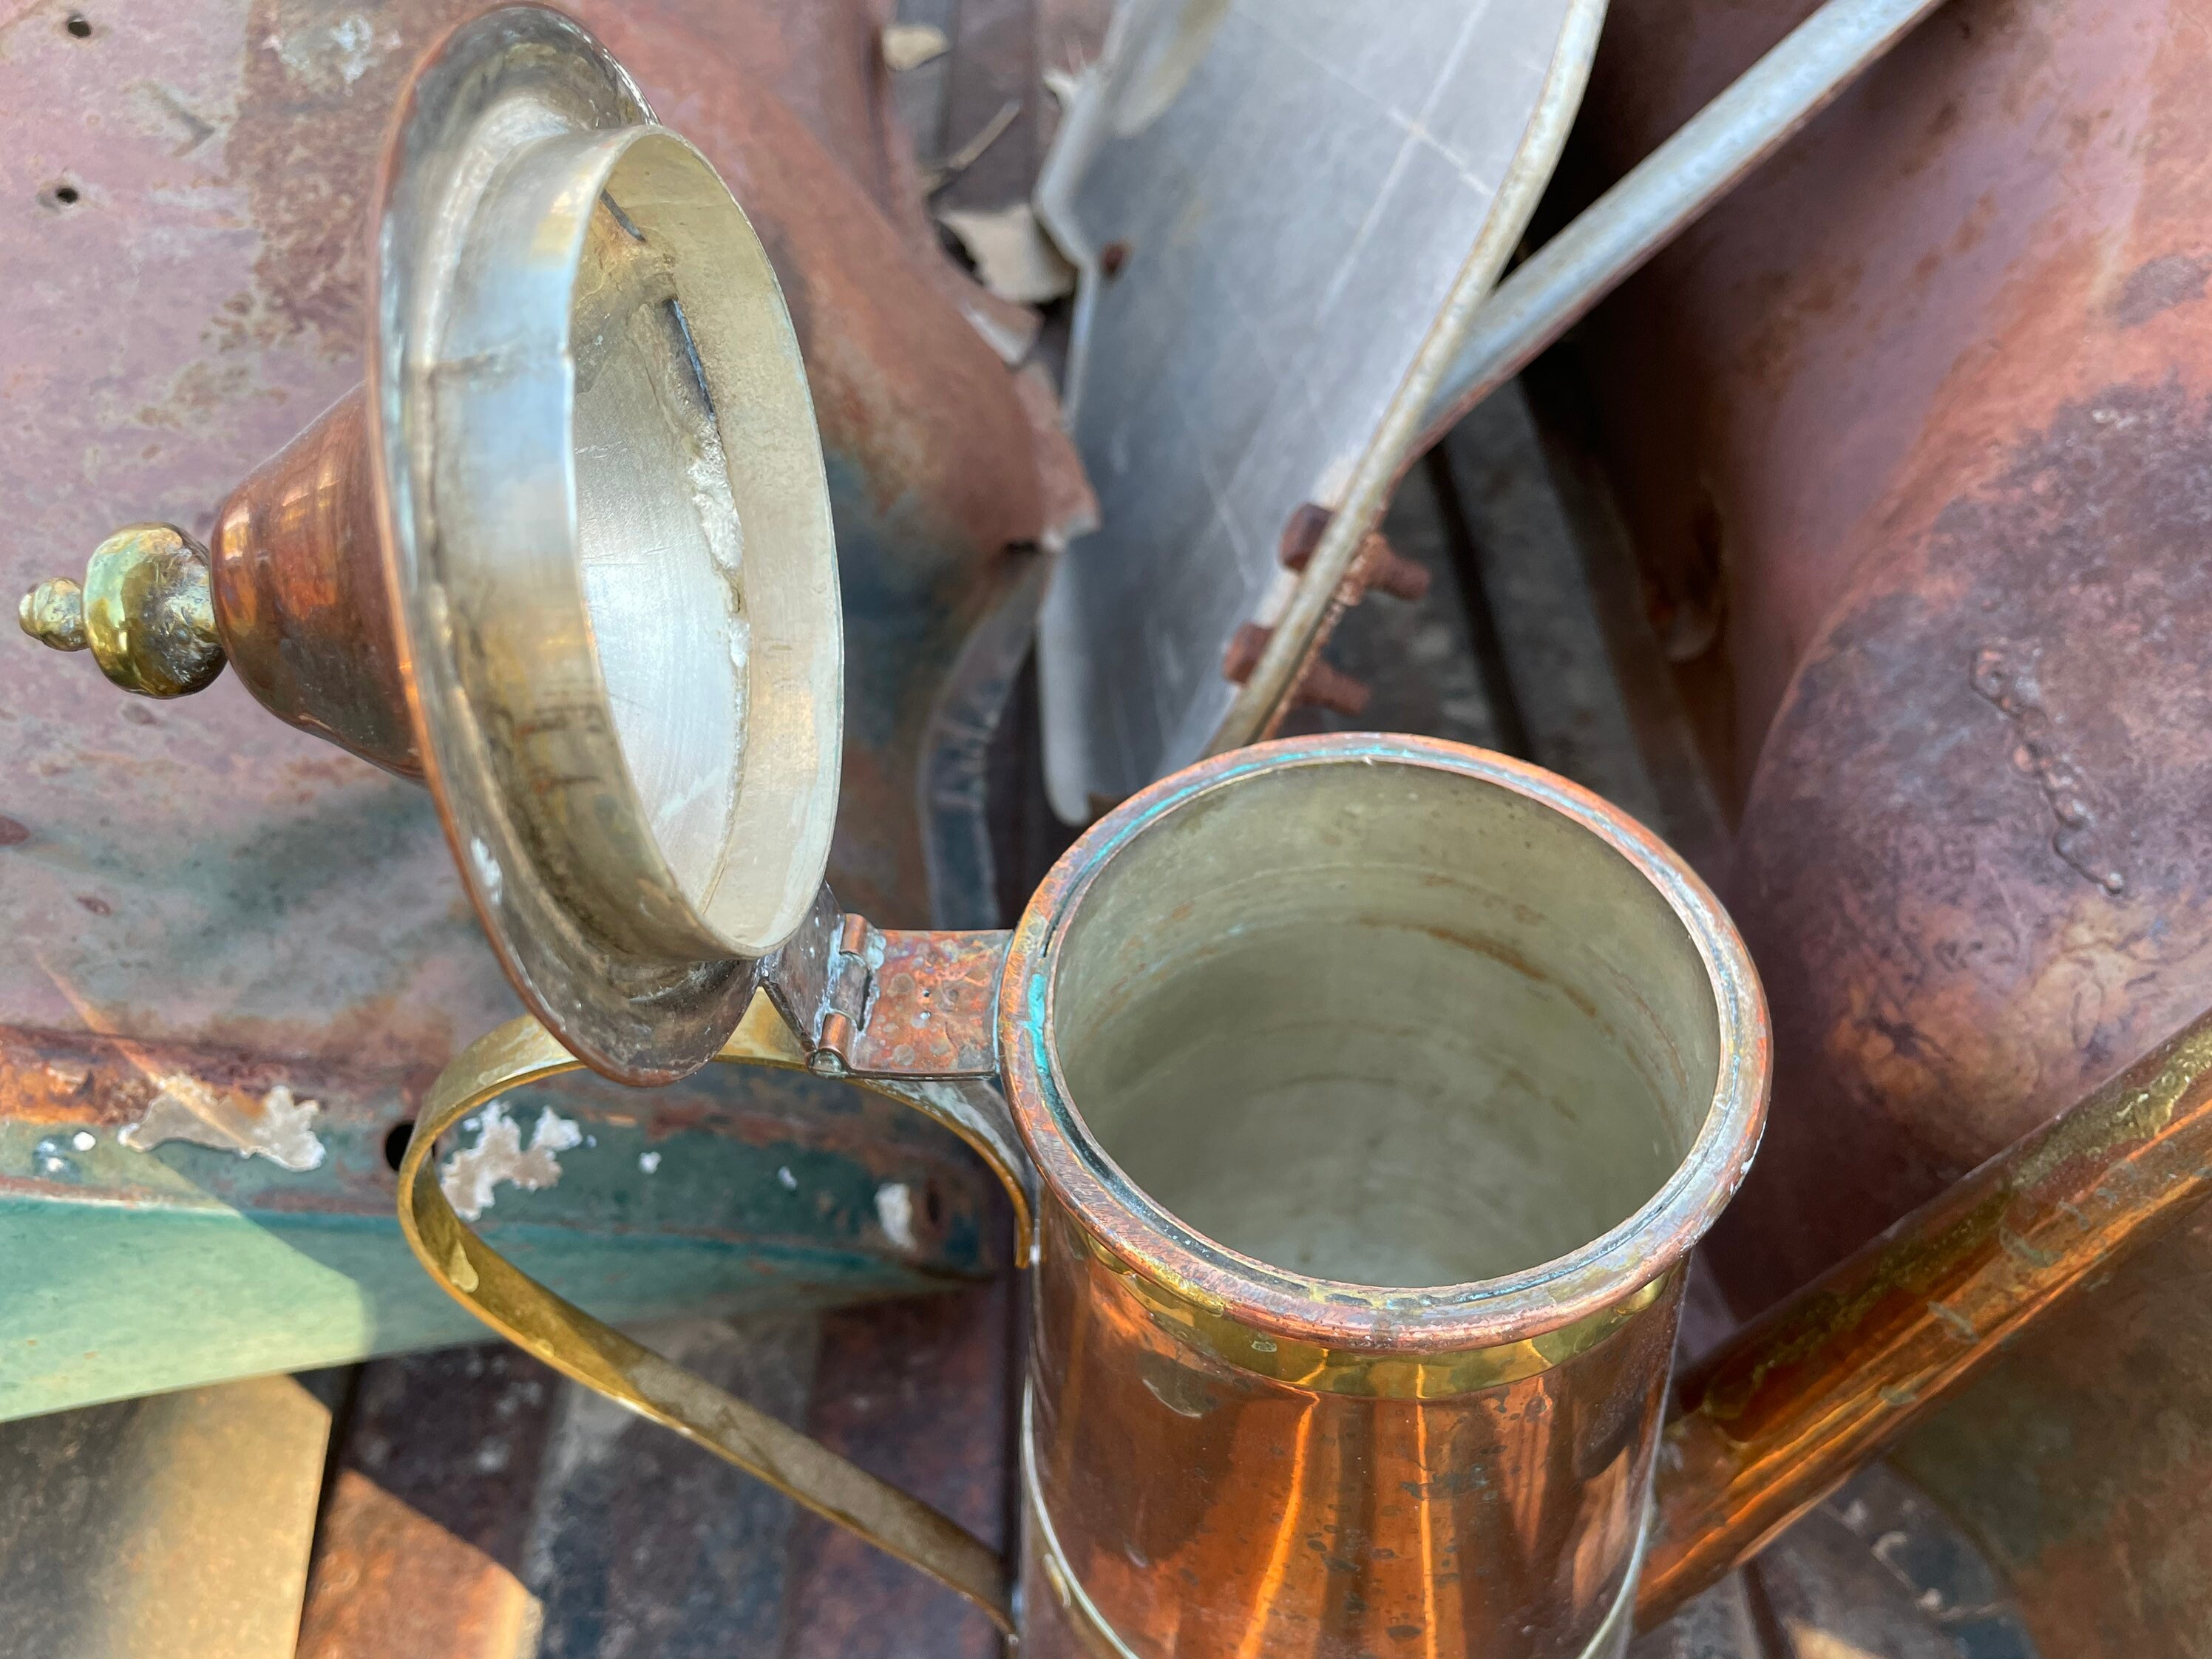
{"x":1775,"y":1419}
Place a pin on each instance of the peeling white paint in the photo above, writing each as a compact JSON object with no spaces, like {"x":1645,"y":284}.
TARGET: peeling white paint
{"x":278,"y":1127}
{"x":784,"y":1175}
{"x":649,"y":1162}
{"x":470,"y":1175}
{"x":84,"y":1140}
{"x":895,"y":1210}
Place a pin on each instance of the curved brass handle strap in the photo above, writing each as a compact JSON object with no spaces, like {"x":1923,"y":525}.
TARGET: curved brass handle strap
{"x":600,"y":1357}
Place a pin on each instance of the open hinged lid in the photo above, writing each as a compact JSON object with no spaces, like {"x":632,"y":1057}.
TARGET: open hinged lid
{"x":607,"y":535}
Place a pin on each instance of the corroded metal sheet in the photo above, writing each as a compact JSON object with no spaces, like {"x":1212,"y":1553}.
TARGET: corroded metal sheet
{"x":735,"y":1191}
{"x":182,"y":191}
{"x":1272,"y":205}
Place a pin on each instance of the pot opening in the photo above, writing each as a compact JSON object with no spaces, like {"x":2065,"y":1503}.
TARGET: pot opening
{"x":1384,"y":1023}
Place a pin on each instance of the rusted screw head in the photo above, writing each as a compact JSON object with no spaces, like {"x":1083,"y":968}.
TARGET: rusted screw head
{"x":53,"y":613}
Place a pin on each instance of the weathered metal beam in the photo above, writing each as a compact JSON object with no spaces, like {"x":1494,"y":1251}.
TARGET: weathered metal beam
{"x":134,"y":1267}
{"x":196,"y":891}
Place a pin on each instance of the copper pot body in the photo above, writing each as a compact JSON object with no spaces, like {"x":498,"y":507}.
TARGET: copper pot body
{"x":1204,"y":1508}
{"x":1377,"y":1090}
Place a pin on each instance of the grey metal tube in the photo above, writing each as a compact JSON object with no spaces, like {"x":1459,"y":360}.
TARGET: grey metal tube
{"x":1663,"y":194}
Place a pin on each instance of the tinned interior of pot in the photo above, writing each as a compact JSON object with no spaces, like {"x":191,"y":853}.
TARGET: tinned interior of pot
{"x":703,"y":544}
{"x":1384,"y":1023}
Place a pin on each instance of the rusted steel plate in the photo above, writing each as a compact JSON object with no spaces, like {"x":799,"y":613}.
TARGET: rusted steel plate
{"x":141,"y":1267}
{"x":1916,"y":426}
{"x":182,"y":187}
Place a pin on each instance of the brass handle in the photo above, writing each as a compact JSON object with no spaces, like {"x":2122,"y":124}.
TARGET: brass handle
{"x":600,"y":1357}
{"x":146,"y":612}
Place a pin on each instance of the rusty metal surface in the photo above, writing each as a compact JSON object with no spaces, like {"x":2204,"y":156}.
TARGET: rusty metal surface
{"x":182,"y":200}
{"x":1912,"y":434}
{"x":220,"y":153}
{"x":736,"y":1191}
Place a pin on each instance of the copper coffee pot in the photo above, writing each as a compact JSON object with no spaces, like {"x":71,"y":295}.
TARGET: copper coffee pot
{"x":1359,"y":1099}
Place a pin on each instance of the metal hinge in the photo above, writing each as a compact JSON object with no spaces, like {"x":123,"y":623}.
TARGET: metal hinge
{"x":848,"y":998}
{"x":823,"y":983}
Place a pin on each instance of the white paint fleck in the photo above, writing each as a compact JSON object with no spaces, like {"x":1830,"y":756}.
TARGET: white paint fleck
{"x":1014,"y":257}
{"x":470,"y":1174}
{"x":784,"y":1175}
{"x":486,"y":867}
{"x":895,"y":1210}
{"x":277,"y":1127}
{"x":49,"y":1160}
{"x":84,"y":1140}
{"x":343,"y":50}
{"x":649,"y":1162}
{"x":355,"y":40}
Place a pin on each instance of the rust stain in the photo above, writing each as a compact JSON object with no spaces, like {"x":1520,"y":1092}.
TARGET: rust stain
{"x":2158,"y":285}
{"x":320,"y":79}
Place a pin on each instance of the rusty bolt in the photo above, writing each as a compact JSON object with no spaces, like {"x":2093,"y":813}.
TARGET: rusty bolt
{"x":1245,"y":647}
{"x":1376,"y":565}
{"x":1302,"y":534}
{"x":1323,"y":685}
{"x":1319,"y":685}
{"x":1383,"y":566}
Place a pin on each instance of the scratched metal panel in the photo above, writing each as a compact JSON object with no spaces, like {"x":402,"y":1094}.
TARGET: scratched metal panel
{"x":1271,"y":200}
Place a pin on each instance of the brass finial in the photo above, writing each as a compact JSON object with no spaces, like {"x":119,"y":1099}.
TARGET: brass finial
{"x":146,"y":612}
{"x":53,"y":613}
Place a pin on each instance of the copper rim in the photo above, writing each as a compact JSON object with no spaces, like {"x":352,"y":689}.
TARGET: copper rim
{"x":1124,"y":1220}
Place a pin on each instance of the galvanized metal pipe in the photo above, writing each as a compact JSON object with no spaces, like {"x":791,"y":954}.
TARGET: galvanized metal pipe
{"x":1663,"y":195}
